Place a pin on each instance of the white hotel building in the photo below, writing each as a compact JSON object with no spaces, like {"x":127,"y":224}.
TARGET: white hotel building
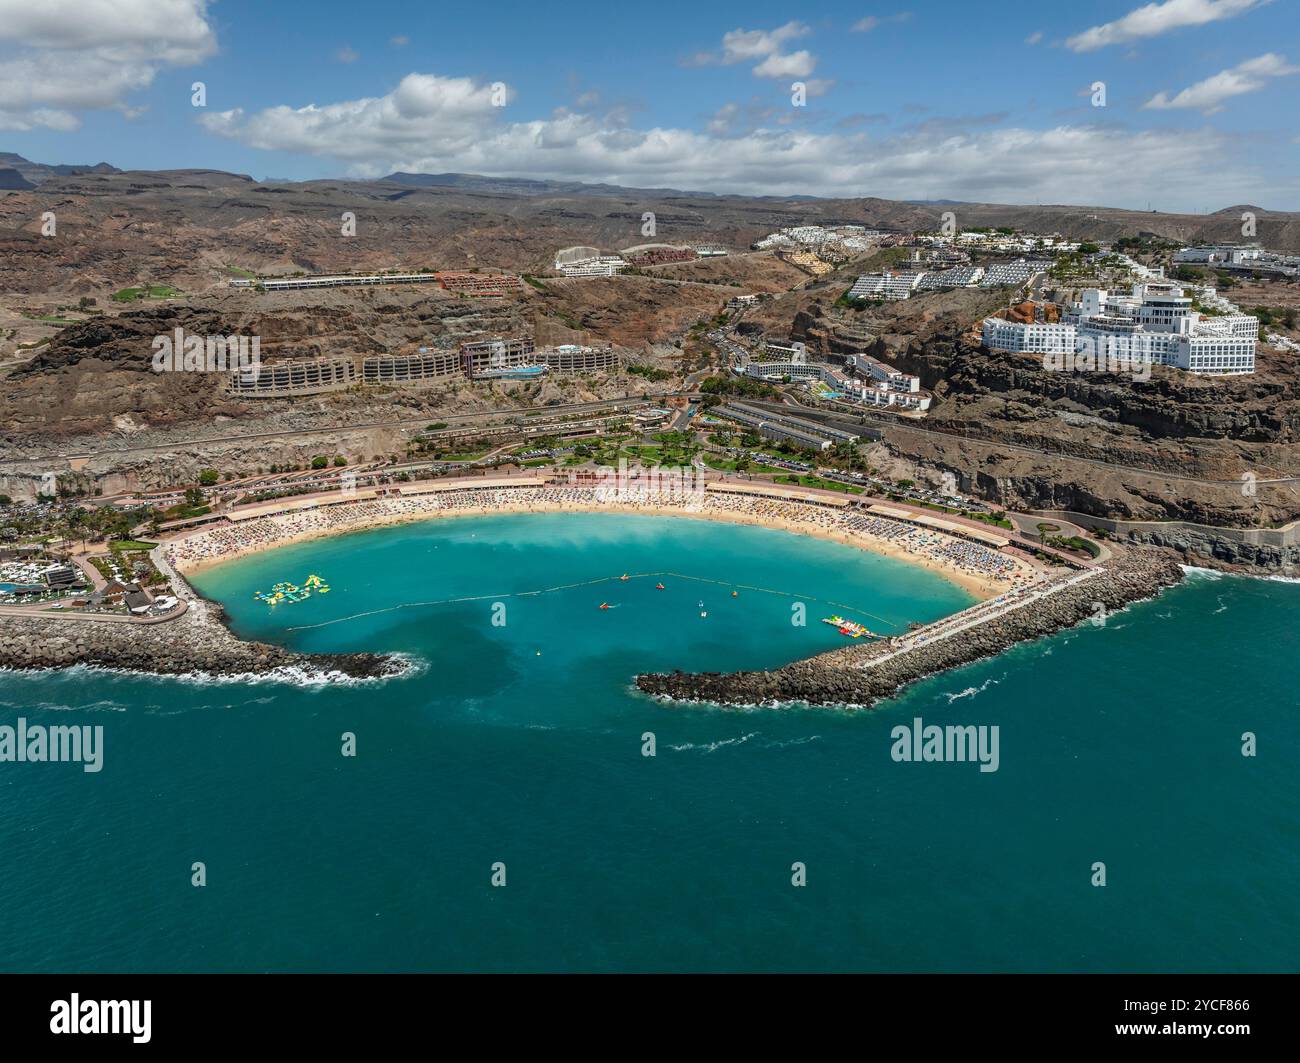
{"x":1036,"y":338}
{"x":894,"y":379}
{"x":885,"y":285}
{"x":1156,"y":324}
{"x":603,"y":266}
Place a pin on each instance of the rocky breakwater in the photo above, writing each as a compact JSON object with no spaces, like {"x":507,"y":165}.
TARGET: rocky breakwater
{"x":862,"y":675}
{"x":197,"y":643}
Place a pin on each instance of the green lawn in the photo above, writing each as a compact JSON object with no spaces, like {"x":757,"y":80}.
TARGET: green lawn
{"x":52,"y":320}
{"x":459,"y":455}
{"x":154,"y":291}
{"x":818,"y":483}
{"x":971,"y":514}
{"x":183,"y":511}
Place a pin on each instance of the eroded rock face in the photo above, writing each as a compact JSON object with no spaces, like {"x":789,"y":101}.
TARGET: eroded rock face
{"x":838,"y":677}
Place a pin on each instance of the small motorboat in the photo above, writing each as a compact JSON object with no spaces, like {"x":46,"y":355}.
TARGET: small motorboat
{"x":735,"y":594}
{"x":702,"y":613}
{"x":604,"y":605}
{"x":624,"y":578}
{"x":659,"y":586}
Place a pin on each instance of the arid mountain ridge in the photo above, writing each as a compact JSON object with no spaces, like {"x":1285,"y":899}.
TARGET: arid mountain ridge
{"x":185,"y":227}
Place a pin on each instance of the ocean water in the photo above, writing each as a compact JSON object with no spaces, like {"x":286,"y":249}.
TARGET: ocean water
{"x":521,"y":743}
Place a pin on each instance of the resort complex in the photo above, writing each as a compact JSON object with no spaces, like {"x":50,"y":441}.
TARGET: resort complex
{"x":501,"y":359}
{"x":857,"y":378}
{"x":1240,"y":259}
{"x":1156,"y":324}
{"x":590,"y":262}
{"x":897,"y":285}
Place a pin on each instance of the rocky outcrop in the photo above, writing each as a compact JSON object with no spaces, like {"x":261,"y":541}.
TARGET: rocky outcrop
{"x":841,"y":678}
{"x":197,"y":642}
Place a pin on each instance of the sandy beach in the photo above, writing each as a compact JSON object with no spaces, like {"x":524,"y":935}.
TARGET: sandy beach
{"x":977,"y":584}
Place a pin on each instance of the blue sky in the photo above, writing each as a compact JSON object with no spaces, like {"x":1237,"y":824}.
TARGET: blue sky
{"x":990,"y":101}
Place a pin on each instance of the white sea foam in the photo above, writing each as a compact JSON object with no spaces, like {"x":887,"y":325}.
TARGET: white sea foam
{"x":57,"y":706}
{"x":795,"y":742}
{"x":971,"y":692}
{"x":1216,"y":574}
{"x":292,"y":675}
{"x":709,"y":747}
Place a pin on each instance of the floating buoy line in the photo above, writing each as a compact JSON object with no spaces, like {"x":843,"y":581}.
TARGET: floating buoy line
{"x":735,"y":588}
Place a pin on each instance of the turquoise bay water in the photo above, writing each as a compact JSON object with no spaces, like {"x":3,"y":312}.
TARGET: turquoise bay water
{"x":1119,"y":744}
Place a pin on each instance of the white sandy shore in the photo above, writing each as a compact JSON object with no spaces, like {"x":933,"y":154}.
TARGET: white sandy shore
{"x":980,"y":586}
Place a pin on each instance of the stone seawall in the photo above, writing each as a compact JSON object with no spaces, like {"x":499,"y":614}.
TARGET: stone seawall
{"x":177,"y":648}
{"x":847,"y":676}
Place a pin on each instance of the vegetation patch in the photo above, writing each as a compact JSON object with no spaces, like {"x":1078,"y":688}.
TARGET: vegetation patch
{"x":153,"y":291}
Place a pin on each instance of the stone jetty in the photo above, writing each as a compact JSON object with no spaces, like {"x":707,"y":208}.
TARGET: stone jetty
{"x":863,"y":674}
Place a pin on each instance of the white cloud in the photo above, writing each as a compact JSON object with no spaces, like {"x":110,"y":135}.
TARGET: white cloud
{"x":795,"y":65}
{"x":871,"y":22}
{"x":40,"y":118}
{"x":347,"y":54}
{"x":399,"y":41}
{"x":741,"y":45}
{"x":70,"y":56}
{"x":436,"y":124}
{"x":445,"y":113}
{"x":765,"y":46}
{"x":1156,"y":19}
{"x":1210,"y":95}
{"x":1034,"y":37}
